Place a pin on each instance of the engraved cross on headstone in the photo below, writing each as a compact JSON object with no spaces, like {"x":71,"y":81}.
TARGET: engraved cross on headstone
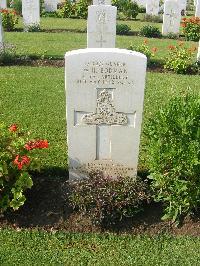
{"x":101,"y":17}
{"x":172,"y":16}
{"x":104,"y":119}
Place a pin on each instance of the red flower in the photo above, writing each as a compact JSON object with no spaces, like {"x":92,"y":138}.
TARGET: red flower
{"x":171,"y":47}
{"x":13,"y":128}
{"x":154,"y":49}
{"x":36,"y":144}
{"x":24,"y":160}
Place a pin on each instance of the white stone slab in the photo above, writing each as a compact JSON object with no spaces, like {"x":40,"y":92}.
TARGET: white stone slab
{"x":3,"y":4}
{"x":101,"y":2}
{"x":101,"y":26}
{"x":1,"y":32}
{"x":171,"y":17}
{"x":198,"y":54}
{"x":31,"y":12}
{"x":183,"y":4}
{"x":50,"y":5}
{"x":104,"y":91}
{"x":197,"y":10}
{"x":152,"y":7}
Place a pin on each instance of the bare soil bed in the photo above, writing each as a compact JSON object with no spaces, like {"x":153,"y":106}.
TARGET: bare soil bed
{"x":47,"y":208}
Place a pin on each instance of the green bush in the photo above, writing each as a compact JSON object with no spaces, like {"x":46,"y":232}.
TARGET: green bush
{"x":17,"y":6}
{"x":129,"y":9}
{"x":33,"y":28}
{"x":106,"y":200}
{"x":150,"y":31}
{"x":17,"y":157}
{"x":144,"y":49}
{"x":180,"y":59}
{"x":9,"y":19}
{"x":152,"y":18}
{"x":67,"y":10}
{"x":123,"y":29}
{"x":82,"y":9}
{"x":174,"y":155}
{"x":191,"y":28}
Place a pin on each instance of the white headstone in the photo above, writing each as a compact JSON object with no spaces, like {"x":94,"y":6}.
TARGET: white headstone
{"x":183,"y":4}
{"x":101,"y":2}
{"x":3,"y":4}
{"x":101,"y":26}
{"x":105,"y":91}
{"x":31,"y":12}
{"x":1,"y":33}
{"x":197,"y":11}
{"x":198,"y":54}
{"x":152,"y":7}
{"x":171,"y":17}
{"x":50,"y":5}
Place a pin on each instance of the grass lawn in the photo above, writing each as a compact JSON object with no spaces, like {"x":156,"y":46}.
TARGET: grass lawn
{"x":55,"y":45}
{"x":40,"y":248}
{"x":35,"y":98}
{"x":81,"y":24}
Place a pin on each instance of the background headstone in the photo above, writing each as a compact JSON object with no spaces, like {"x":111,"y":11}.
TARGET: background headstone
{"x":3,"y":4}
{"x":105,"y":91}
{"x":50,"y":5}
{"x":101,"y":26}
{"x":198,"y":54}
{"x":197,"y":11}
{"x":171,"y":17}
{"x":31,"y":12}
{"x":152,"y":7}
{"x":101,"y":2}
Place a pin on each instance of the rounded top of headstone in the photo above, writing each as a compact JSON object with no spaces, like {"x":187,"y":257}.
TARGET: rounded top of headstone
{"x":103,"y":51}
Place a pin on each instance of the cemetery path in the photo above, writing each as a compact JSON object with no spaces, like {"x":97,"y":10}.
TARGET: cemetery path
{"x":47,"y":209}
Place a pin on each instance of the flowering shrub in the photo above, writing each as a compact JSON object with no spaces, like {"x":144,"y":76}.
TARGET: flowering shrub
{"x":18,"y":155}
{"x":150,"y":31}
{"x":106,"y":200}
{"x":9,"y":19}
{"x":191,"y":28}
{"x":180,"y":59}
{"x":144,"y":49}
{"x":174,"y":155}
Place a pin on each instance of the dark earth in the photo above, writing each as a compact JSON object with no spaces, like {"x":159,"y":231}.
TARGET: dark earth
{"x":47,"y":208}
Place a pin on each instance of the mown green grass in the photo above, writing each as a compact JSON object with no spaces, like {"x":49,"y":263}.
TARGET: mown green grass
{"x":55,"y":45}
{"x":81,"y":24}
{"x":40,"y":248}
{"x":35,"y":99}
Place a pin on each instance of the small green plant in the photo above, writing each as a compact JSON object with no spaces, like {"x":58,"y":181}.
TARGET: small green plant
{"x":9,"y":19}
{"x":54,"y":14}
{"x":180,"y":59}
{"x":18,"y":155}
{"x":174,"y":155}
{"x":144,"y":49}
{"x":152,"y":18}
{"x":171,"y":35}
{"x":33,"y":28}
{"x":191,"y":28}
{"x":150,"y":31}
{"x":7,"y":54}
{"x":106,"y":200}
{"x":123,"y":29}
